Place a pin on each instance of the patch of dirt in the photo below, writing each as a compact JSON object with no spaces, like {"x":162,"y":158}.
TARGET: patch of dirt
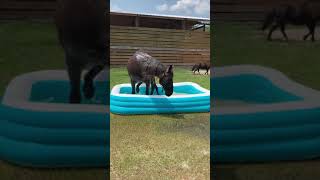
{"x":293,"y":34}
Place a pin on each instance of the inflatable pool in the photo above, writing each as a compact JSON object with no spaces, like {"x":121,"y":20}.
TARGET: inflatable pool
{"x":187,"y":97}
{"x":259,"y":114}
{"x":39,"y":129}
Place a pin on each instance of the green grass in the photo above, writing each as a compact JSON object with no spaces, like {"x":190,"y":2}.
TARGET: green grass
{"x":26,"y":47}
{"x":160,"y":146}
{"x":236,"y":44}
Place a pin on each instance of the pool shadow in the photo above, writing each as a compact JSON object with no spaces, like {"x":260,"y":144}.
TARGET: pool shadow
{"x":176,"y":116}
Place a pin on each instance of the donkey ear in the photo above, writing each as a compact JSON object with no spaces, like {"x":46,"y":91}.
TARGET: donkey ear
{"x":170,"y":69}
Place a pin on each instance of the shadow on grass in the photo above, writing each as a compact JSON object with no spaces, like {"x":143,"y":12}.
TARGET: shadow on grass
{"x":176,"y":116}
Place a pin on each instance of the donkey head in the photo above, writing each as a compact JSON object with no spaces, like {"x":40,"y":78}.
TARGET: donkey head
{"x":166,"y":81}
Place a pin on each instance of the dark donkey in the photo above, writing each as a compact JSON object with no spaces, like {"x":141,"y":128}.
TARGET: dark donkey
{"x":144,"y":68}
{"x":199,"y":66}
{"x":82,"y":31}
{"x":307,"y":13}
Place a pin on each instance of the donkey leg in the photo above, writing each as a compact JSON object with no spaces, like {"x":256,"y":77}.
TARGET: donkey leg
{"x":283,"y":27}
{"x":157,"y":90}
{"x":273,"y":28}
{"x":74,"y":77}
{"x":147,"y":87}
{"x":138,"y":86}
{"x":88,"y":87}
{"x":308,"y":34}
{"x":156,"y":87}
{"x":313,"y":26}
{"x":152,"y":88}
{"x":133,"y":83}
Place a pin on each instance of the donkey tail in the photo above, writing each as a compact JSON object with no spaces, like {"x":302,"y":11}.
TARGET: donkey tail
{"x":269,"y":18}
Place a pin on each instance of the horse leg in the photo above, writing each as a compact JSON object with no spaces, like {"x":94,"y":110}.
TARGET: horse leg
{"x":138,"y":86}
{"x":283,"y":27}
{"x":74,"y":73}
{"x":274,"y":27}
{"x":88,"y":87}
{"x":133,"y":83}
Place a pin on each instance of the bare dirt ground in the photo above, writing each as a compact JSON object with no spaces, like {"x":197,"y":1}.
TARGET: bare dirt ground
{"x":293,"y":33}
{"x":269,"y":171}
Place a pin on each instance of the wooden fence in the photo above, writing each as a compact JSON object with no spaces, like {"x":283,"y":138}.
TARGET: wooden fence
{"x":178,"y":47}
{"x":16,"y":9}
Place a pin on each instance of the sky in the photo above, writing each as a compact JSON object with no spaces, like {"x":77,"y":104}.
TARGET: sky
{"x":195,"y":8}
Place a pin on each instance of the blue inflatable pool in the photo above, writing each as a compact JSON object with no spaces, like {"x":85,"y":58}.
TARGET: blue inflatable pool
{"x":39,"y":129}
{"x":187,"y":97}
{"x":260,"y":115}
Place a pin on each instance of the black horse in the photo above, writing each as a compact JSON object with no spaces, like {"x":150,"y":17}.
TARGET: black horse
{"x":144,"y":68}
{"x":199,"y":66}
{"x":306,"y":13}
{"x":82,"y":30}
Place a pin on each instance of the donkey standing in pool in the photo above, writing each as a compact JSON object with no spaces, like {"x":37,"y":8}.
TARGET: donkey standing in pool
{"x":144,"y":68}
{"x":82,"y":30}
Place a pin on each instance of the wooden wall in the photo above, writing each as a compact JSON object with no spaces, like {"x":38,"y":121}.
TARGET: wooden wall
{"x":16,"y":9}
{"x":244,"y":10}
{"x":178,"y":47}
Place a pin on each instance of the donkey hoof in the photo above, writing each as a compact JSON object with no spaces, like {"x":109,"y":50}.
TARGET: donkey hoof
{"x":74,"y":98}
{"x":88,"y":91}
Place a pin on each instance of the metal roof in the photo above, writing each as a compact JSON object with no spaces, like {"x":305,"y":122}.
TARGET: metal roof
{"x":202,"y":19}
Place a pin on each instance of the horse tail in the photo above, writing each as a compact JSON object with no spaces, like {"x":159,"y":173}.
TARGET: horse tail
{"x":269,"y":18}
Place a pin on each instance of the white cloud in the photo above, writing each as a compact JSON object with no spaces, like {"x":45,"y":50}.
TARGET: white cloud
{"x":203,"y":7}
{"x":115,"y":7}
{"x":199,"y":7}
{"x":163,"y":7}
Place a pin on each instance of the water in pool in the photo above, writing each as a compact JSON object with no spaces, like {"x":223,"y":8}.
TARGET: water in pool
{"x":58,"y":92}
{"x":177,"y":90}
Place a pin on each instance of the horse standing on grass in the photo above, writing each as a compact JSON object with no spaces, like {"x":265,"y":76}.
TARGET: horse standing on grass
{"x":307,"y":13}
{"x":144,"y":68}
{"x":82,"y":31}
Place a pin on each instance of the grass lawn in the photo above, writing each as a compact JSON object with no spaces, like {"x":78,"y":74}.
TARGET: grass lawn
{"x":236,"y":44}
{"x":26,"y":47}
{"x":166,"y":146}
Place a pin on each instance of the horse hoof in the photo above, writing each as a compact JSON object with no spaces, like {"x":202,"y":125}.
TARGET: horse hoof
{"x":88,"y":91}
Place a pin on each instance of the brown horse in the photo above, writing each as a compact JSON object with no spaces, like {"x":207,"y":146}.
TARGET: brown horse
{"x":307,"y":13}
{"x":82,"y":30}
